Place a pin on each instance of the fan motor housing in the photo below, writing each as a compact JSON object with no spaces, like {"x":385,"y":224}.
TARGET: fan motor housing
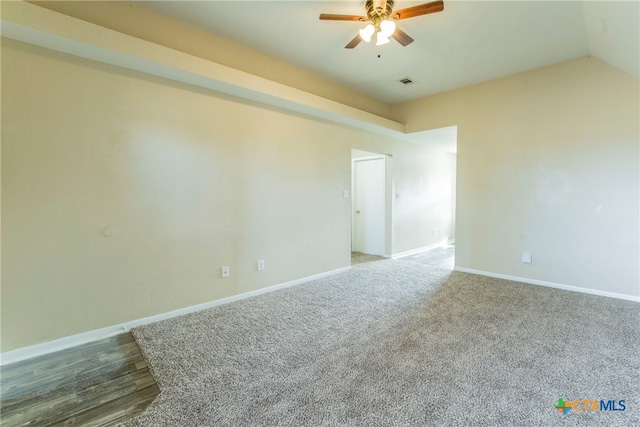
{"x":375,"y":13}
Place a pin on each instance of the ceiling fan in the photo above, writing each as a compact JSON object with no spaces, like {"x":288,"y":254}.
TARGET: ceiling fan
{"x":381,"y":17}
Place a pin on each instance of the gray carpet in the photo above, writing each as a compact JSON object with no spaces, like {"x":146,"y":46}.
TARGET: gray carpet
{"x":396,"y":343}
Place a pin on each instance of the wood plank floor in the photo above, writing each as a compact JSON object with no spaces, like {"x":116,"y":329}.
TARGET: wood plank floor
{"x":104,"y":382}
{"x":95,"y":384}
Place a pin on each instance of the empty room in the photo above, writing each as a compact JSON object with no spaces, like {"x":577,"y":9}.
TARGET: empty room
{"x":336,"y":213}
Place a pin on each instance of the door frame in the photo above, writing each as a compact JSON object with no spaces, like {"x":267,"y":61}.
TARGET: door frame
{"x":388,"y":196}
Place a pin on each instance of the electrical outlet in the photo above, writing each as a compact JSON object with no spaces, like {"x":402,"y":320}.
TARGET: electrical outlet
{"x":261,"y":265}
{"x":225,"y":272}
{"x":526,"y":258}
{"x":433,"y":231}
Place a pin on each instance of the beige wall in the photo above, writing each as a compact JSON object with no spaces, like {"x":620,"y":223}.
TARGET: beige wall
{"x":128,"y":18}
{"x":421,"y":193}
{"x":192,"y":180}
{"x":189,"y":179}
{"x":548,"y":164}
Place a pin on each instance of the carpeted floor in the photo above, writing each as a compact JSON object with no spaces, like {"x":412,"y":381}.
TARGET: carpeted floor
{"x":396,"y":343}
{"x":360,"y":257}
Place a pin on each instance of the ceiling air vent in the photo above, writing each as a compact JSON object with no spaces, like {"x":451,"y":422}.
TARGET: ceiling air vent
{"x":406,"y":80}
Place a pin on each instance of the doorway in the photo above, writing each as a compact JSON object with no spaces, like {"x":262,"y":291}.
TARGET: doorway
{"x":368,"y":231}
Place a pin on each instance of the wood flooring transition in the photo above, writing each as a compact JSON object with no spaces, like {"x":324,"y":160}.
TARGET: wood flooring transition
{"x":104,"y":382}
{"x":100,"y":383}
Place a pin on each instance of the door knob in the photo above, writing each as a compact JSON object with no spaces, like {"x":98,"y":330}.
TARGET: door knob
{"x":357,"y":211}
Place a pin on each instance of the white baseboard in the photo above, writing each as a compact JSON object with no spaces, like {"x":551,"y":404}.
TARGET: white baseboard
{"x":549,"y":284}
{"x":40,"y":349}
{"x":422,"y":249}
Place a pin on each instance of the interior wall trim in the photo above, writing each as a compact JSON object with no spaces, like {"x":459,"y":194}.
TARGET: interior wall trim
{"x":549,"y":284}
{"x":63,"y":343}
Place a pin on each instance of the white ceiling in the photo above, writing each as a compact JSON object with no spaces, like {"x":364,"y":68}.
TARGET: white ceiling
{"x":469,"y":42}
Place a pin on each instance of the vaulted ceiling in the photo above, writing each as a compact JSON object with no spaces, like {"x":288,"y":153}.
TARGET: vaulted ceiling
{"x":469,"y":42}
{"x":279,"y":52}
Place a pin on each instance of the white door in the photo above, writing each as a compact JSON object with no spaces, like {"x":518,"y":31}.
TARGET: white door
{"x":369,"y":206}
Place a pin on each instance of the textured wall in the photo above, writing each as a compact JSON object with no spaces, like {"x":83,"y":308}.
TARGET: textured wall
{"x":547,"y":164}
{"x":188,"y":179}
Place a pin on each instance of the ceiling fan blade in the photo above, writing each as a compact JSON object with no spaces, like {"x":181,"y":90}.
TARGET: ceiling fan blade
{"x":423,"y":9}
{"x":353,"y":43}
{"x":402,"y":37}
{"x":331,"y":17}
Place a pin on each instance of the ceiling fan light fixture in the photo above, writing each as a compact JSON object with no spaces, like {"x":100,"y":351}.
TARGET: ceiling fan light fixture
{"x":387,"y":27}
{"x":380,"y":20}
{"x":367,"y":32}
{"x":381,"y":39}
